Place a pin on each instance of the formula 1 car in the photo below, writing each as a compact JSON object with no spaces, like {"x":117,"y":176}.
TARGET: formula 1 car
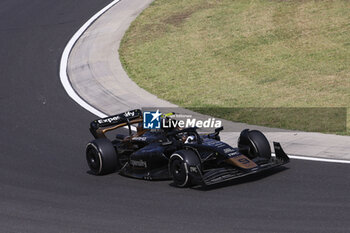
{"x":174,"y":153}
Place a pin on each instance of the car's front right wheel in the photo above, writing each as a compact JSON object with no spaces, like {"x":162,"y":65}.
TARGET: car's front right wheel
{"x":254,"y":144}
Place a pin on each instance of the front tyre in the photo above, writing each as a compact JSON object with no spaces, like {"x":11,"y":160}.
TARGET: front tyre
{"x":101,"y":157}
{"x":254,"y":144}
{"x":261,"y":146}
{"x":184,"y":165}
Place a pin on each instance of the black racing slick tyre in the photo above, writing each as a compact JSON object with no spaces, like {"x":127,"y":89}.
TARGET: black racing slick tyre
{"x":257,"y":144}
{"x":262,"y":147}
{"x":101,"y":157}
{"x":183,"y":166}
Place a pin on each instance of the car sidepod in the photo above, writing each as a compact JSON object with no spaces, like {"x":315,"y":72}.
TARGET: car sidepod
{"x":148,"y":163}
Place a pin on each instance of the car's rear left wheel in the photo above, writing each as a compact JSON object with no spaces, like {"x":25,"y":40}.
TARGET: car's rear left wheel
{"x":101,"y":157}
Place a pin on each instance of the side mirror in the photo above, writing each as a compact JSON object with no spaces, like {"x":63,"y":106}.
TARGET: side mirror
{"x":217,"y":130}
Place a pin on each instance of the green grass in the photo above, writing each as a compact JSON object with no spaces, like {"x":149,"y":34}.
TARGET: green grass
{"x":243,"y":53}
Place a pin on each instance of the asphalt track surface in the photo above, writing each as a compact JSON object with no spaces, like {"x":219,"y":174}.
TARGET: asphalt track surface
{"x":44,"y":184}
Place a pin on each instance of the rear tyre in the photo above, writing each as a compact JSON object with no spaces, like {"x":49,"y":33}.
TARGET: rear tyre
{"x":179,"y":167}
{"x":257,"y":144}
{"x":101,"y":157}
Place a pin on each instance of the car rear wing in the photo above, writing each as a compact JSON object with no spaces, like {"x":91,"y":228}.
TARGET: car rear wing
{"x":99,"y":127}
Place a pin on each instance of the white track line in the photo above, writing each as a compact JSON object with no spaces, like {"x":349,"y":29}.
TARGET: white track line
{"x":70,"y":91}
{"x":64,"y":63}
{"x":318,"y":159}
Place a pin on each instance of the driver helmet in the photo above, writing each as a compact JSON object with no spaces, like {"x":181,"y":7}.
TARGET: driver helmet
{"x":190,"y":139}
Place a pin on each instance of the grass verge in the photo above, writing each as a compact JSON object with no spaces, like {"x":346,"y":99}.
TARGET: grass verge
{"x":243,"y":53}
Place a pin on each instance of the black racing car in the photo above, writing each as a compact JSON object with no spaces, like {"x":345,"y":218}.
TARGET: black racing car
{"x":174,"y":153}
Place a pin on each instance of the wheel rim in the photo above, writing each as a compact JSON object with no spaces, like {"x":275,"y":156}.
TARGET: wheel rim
{"x":178,"y":172}
{"x":93,"y":160}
